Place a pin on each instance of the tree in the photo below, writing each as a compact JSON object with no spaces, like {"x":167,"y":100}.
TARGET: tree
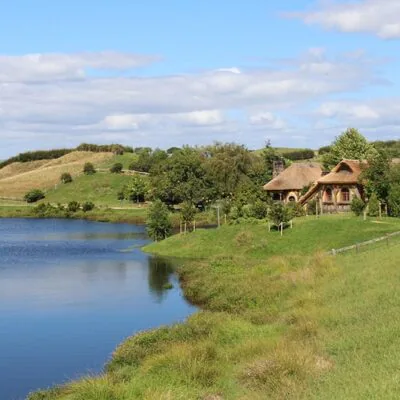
{"x":349,"y":145}
{"x":376,"y":177}
{"x":394,"y":200}
{"x":373,"y":205}
{"x":181,"y":177}
{"x":357,"y":206}
{"x":66,"y":177}
{"x":137,"y":189}
{"x":279,"y":213}
{"x":116,"y":168}
{"x":270,"y":155}
{"x":188,"y":212}
{"x":158,"y":222}
{"x":34,"y":195}
{"x":88,"y":169}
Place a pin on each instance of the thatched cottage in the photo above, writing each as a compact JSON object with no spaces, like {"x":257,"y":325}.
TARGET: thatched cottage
{"x":288,"y":185}
{"x":336,"y":190}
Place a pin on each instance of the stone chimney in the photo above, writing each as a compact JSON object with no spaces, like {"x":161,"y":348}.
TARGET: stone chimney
{"x":278,"y":167}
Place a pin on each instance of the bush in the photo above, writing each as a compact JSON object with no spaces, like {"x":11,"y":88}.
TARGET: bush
{"x":89,"y":169}
{"x":188,"y":212}
{"x":296,"y":155}
{"x":116,"y":168}
{"x":311,"y":207}
{"x":34,"y":195}
{"x":394,"y":201}
{"x":373,"y":206}
{"x":73,"y":206}
{"x":295,"y":209}
{"x":259,"y":209}
{"x":66,"y":177}
{"x":158,"y":222}
{"x":279,"y":213}
{"x":357,"y":206}
{"x":87,"y":206}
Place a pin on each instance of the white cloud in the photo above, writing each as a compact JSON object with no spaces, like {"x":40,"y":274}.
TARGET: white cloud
{"x":378,"y":17}
{"x":52,"y":105}
{"x":267,"y":119}
{"x":52,"y":66}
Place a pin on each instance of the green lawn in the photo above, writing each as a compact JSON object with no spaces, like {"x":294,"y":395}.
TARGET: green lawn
{"x":279,"y":321}
{"x":101,"y":188}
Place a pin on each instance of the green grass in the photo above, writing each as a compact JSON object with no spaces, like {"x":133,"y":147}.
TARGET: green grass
{"x":101,"y":188}
{"x":309,"y":235}
{"x":125,"y":159}
{"x":279,"y":320}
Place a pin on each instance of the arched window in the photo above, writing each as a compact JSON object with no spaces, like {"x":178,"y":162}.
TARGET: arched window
{"x":328,"y":195}
{"x":292,"y":198}
{"x":345,"y":194}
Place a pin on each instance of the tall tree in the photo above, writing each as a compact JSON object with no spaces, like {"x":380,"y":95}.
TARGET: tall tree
{"x":352,"y":145}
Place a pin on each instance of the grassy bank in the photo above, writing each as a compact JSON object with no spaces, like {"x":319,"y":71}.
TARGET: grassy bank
{"x":279,"y":320}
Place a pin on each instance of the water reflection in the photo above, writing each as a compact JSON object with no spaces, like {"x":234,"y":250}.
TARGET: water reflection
{"x":66,"y":302}
{"x":160,"y":274}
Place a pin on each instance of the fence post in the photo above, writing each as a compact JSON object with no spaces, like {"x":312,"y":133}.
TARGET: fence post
{"x":194,"y":225}
{"x":333,"y":252}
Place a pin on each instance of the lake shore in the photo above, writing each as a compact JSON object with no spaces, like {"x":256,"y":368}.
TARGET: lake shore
{"x":263,"y":329}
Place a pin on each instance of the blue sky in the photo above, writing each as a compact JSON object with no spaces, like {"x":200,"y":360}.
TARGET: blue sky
{"x":164,"y":73}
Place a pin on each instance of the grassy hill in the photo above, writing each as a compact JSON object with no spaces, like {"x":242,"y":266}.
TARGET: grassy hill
{"x":18,"y":178}
{"x":280,"y":319}
{"x":101,"y":189}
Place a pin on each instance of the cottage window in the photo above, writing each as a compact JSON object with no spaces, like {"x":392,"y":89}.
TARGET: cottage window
{"x":345,"y":195}
{"x":292,"y":198}
{"x":328,"y":195}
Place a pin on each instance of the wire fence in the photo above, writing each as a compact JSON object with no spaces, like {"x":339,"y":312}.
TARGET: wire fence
{"x":386,"y":240}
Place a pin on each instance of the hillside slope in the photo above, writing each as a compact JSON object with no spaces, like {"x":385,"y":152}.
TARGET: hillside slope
{"x":291,"y":324}
{"x":18,"y":178}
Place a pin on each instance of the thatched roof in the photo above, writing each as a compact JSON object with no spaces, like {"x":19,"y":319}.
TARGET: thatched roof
{"x":347,"y":171}
{"x":295,"y":177}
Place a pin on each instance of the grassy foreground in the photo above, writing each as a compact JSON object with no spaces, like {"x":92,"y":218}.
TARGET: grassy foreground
{"x":280,"y":320}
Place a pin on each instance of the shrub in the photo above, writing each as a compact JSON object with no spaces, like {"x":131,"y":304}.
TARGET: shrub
{"x":87,"y":206}
{"x":295,"y":209}
{"x":259,"y":209}
{"x":357,"y":206}
{"x":311,"y":207}
{"x":158,"y":222}
{"x":34,"y":195}
{"x":116,"y":168}
{"x":66,"y":177}
{"x":394,"y":201}
{"x":89,"y":169}
{"x":373,"y":206}
{"x":305,"y":154}
{"x":121,"y":195}
{"x":73,"y":206}
{"x":188,"y":212}
{"x":279,"y":213}
{"x":244,"y":238}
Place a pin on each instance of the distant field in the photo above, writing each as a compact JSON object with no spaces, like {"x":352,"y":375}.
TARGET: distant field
{"x":124,"y":159}
{"x":282,"y":150}
{"x":18,"y":178}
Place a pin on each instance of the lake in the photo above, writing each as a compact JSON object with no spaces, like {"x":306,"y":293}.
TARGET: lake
{"x":70,"y":292}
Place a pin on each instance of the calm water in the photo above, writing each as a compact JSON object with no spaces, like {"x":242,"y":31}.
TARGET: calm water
{"x":70,"y":291}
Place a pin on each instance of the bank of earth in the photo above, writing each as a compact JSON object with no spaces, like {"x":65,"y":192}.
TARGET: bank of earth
{"x":280,"y":319}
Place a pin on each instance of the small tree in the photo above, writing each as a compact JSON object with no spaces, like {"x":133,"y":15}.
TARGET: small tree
{"x":158,"y":222}
{"x":259,"y":209}
{"x":87,"y":206}
{"x":394,"y":200}
{"x":357,"y":206}
{"x":137,"y":189}
{"x":279,"y":214}
{"x":188,"y":212}
{"x":34,"y":195}
{"x":116,"y":168}
{"x":121,"y":195}
{"x":73,"y":206}
{"x":373,"y":205}
{"x":66,"y":177}
{"x":89,"y":169}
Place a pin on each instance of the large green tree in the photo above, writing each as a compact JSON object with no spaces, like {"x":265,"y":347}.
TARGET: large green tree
{"x":351,"y":145}
{"x":158,"y":222}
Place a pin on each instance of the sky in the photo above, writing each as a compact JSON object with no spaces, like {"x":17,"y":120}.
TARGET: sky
{"x":166,"y":73}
